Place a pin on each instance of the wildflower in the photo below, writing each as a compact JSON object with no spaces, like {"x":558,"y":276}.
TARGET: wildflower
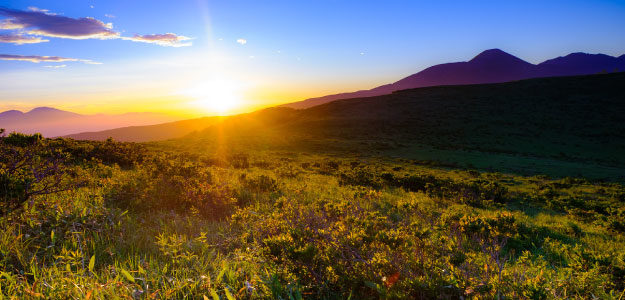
{"x":136,"y":293}
{"x":249,"y":287}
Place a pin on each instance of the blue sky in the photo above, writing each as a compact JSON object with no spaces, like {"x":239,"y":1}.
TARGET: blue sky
{"x":292,"y":50}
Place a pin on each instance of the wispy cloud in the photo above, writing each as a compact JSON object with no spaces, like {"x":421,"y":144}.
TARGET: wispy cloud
{"x":167,"y":39}
{"x":242,"y":41}
{"x":109,"y":16}
{"x":34,"y":8}
{"x":19,"y":39}
{"x":55,"y":67}
{"x":35,"y":23}
{"x":39,"y":58}
{"x":43,"y":23}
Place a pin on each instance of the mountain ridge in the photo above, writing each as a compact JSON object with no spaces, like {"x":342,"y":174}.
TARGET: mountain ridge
{"x":489,"y":66}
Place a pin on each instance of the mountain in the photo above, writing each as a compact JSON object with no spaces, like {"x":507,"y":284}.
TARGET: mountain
{"x":490,"y":66}
{"x":150,"y":132}
{"x":563,"y":126}
{"x":49,"y":114}
{"x":55,"y":122}
{"x":581,"y":64}
{"x":11,"y":114}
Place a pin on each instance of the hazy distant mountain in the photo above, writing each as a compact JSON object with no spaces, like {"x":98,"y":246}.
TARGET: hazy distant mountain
{"x":53,"y":122}
{"x":490,"y":66}
{"x":10,"y":114}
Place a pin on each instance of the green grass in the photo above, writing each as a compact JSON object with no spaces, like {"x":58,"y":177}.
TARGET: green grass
{"x":511,"y":163}
{"x":266,"y":224}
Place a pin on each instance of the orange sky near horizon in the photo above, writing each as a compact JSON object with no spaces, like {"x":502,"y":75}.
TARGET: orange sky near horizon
{"x":175,"y":104}
{"x":180,"y":87}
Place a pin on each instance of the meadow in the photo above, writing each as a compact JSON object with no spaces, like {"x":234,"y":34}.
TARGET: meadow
{"x":252,"y":219}
{"x":290,"y":150}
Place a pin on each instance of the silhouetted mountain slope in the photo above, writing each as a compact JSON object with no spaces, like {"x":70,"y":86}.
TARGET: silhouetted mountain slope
{"x":490,"y":66}
{"x":54,"y":122}
{"x":581,"y":64}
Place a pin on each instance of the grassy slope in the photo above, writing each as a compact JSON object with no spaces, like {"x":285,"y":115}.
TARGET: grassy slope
{"x":270,"y":224}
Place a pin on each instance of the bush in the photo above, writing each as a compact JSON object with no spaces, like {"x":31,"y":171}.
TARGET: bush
{"x":259,"y":184}
{"x":172,"y":183}
{"x":328,"y":167}
{"x":239,"y":161}
{"x":475,"y":192}
{"x":28,"y":167}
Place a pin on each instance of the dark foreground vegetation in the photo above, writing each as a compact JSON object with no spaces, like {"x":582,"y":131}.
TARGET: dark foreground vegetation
{"x":102,"y":220}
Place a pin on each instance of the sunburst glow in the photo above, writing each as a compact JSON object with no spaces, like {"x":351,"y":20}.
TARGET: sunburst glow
{"x":215,"y":96}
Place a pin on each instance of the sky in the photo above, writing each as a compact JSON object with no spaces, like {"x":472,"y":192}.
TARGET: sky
{"x":202,"y":57}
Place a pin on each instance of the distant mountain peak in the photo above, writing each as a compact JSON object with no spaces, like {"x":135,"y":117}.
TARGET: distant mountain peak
{"x":52,"y":122}
{"x":583,"y":55}
{"x":493,"y":51}
{"x":43,"y":109}
{"x":496,"y":55}
{"x":10,"y":113}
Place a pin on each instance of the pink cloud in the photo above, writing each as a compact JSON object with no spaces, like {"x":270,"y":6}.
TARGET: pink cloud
{"x":39,"y":58}
{"x":19,"y":39}
{"x":33,"y":24}
{"x":167,"y":39}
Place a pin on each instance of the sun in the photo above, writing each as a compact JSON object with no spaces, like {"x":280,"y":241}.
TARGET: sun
{"x":215,"y":96}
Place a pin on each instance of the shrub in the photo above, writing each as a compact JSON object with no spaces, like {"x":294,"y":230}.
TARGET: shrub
{"x":239,"y":161}
{"x":328,"y":167}
{"x":28,"y":168}
{"x":259,"y":184}
{"x":171,"y":183}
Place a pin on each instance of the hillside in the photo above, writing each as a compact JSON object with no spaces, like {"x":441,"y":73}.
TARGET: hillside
{"x":149,"y":132}
{"x":490,"y":66}
{"x":560,"y":126}
{"x":224,"y":215}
